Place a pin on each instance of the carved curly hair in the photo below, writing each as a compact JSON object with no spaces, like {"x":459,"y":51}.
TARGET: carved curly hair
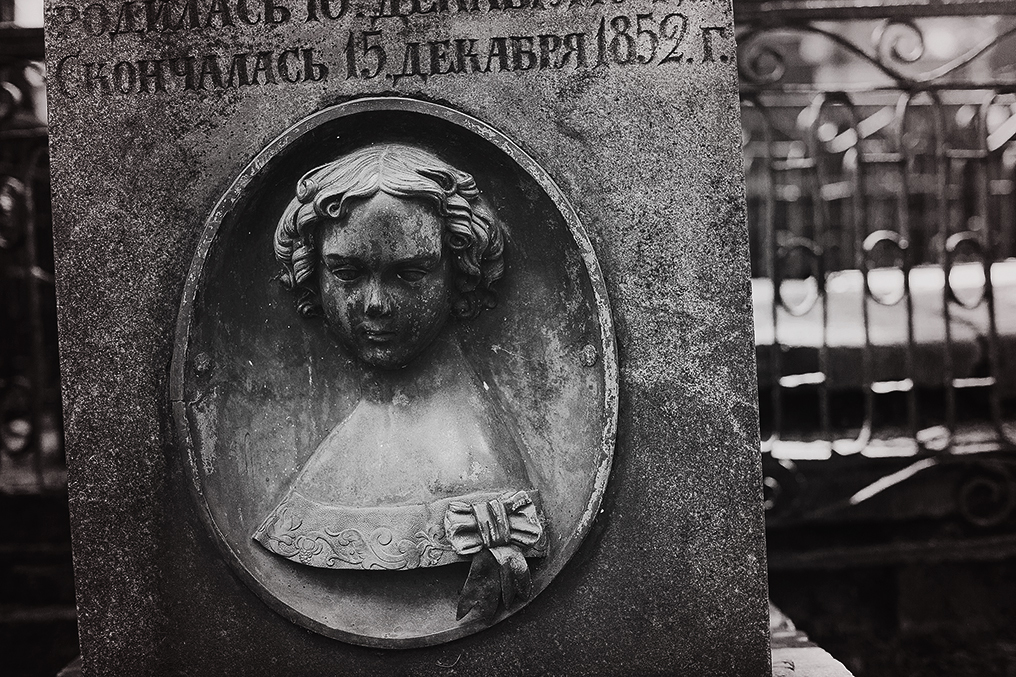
{"x":474,"y":238}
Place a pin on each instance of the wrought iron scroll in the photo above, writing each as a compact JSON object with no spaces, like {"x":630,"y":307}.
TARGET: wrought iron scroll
{"x":882,"y":203}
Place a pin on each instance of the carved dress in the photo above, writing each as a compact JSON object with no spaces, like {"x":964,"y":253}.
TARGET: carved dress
{"x":424,"y":471}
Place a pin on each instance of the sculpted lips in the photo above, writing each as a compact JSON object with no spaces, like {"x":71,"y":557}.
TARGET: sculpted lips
{"x":377,"y":334}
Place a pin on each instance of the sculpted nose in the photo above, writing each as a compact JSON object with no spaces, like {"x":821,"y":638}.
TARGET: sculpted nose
{"x":375,"y":302}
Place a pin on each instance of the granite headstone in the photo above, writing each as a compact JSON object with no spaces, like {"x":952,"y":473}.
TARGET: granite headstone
{"x":406,"y":337}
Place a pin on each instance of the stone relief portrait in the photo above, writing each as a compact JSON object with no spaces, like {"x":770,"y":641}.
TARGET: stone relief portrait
{"x":394,"y":383}
{"x":389,"y":244}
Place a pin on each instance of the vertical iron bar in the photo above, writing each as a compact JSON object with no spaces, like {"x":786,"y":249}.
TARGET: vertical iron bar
{"x":859,"y":216}
{"x":903,"y":219}
{"x":942,"y":165}
{"x":770,"y":249}
{"x":991,"y":161}
{"x":38,"y":347}
{"x":819,"y":237}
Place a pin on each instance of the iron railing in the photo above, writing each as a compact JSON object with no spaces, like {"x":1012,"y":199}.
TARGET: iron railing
{"x":880,"y":149}
{"x":30,"y":432}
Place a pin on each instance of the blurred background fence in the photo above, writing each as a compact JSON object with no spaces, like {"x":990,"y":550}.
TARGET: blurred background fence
{"x":38,"y":629}
{"x":880,"y":157}
{"x":881,"y":181}
{"x":30,"y":443}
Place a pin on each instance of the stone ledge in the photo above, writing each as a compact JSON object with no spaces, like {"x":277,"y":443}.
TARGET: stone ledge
{"x":794,"y":655}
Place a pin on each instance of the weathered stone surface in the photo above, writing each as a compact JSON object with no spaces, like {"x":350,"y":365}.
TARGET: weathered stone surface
{"x":645,"y":146}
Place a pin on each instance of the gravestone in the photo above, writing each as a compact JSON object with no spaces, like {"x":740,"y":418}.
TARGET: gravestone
{"x":406,"y":337}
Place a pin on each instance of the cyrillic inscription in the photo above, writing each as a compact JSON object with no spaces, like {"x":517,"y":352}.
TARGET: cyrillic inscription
{"x":375,"y":43}
{"x":206,"y":72}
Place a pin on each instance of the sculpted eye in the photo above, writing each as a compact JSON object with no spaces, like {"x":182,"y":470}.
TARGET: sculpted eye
{"x":346,"y":273}
{"x":412,"y":274}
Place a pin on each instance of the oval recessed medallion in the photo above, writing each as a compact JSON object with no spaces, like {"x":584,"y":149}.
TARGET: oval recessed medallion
{"x":395,"y":378}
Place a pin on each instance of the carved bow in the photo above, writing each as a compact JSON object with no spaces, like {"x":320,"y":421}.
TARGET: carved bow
{"x":495,"y":532}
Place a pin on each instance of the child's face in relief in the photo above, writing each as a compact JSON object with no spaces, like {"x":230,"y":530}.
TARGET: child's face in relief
{"x":385,"y":279}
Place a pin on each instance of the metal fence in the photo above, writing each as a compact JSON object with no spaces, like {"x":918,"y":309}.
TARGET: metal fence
{"x":880,"y":150}
{"x":31,"y":459}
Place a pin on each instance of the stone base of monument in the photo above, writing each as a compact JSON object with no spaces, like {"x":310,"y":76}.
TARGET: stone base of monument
{"x":794,"y":655}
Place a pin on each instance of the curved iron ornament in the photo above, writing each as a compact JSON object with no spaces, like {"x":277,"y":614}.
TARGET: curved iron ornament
{"x":763,"y":65}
